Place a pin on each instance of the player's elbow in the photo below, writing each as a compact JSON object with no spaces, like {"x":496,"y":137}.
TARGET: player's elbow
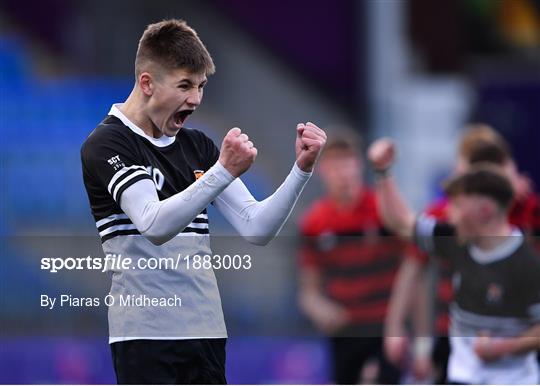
{"x":406,"y":228}
{"x":256,"y":233}
{"x":402,"y":226}
{"x":156,"y":238}
{"x":260,"y":241}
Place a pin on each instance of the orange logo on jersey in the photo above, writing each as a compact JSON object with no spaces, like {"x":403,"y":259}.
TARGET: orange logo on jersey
{"x":198,"y":173}
{"x":494,"y":293}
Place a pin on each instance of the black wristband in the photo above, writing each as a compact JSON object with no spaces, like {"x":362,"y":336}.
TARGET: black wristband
{"x":382,"y":173}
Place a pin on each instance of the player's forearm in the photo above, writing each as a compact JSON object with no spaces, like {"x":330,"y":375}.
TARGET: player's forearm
{"x":314,"y":303}
{"x":528,"y":341}
{"x":160,"y":221}
{"x":401,"y":299}
{"x":271,"y":214}
{"x":310,"y":300}
{"x":422,"y":298}
{"x":260,"y":222}
{"x":395,"y":212}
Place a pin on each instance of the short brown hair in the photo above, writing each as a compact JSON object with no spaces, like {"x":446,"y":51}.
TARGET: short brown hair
{"x":484,"y":180}
{"x":342,"y":144}
{"x":480,"y":133}
{"x":488,"y":152}
{"x":173,"y":44}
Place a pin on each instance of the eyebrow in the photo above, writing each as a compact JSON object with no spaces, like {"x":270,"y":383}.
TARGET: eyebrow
{"x":189,"y":82}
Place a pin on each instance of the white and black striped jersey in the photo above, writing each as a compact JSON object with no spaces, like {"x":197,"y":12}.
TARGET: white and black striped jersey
{"x":496,"y":293}
{"x":115,"y":156}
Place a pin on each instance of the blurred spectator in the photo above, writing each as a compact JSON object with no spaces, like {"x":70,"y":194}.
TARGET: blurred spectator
{"x":347,"y":268}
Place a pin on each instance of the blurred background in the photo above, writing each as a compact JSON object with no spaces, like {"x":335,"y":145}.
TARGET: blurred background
{"x":415,"y":70}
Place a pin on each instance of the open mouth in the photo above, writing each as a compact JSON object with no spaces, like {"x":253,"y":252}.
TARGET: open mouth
{"x":181,"y":116}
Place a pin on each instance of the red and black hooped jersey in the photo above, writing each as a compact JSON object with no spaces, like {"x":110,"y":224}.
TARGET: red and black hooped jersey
{"x":355,"y":256}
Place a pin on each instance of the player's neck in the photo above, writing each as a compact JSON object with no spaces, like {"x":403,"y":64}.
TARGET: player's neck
{"x":346,"y":201}
{"x":134,"y":109}
{"x":493,"y":235}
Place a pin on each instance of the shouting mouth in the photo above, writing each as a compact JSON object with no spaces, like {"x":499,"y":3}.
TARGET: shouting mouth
{"x":180,"y":117}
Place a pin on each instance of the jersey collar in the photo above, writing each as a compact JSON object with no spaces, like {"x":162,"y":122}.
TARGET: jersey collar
{"x":504,"y":250}
{"x":160,"y":142}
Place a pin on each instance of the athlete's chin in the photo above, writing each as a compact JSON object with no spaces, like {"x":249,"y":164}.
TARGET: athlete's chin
{"x":173,"y":127}
{"x":172,"y":131}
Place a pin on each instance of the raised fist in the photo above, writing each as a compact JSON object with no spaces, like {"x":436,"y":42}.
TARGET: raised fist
{"x":382,"y":154}
{"x":310,"y":140}
{"x":237,"y":152}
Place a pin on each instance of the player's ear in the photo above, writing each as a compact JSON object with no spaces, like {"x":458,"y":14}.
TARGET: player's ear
{"x":146,"y":83}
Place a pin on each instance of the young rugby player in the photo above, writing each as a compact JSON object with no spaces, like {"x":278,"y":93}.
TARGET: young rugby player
{"x":495,"y":315}
{"x":149,"y":180}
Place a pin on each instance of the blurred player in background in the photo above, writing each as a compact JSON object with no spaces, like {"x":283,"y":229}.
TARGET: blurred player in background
{"x":495,"y":315}
{"x":347,"y":268}
{"x":149,"y":180}
{"x":479,"y":144}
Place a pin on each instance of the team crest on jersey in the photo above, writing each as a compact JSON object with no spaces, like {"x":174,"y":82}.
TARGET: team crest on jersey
{"x":494,"y":293}
{"x":198,"y":173}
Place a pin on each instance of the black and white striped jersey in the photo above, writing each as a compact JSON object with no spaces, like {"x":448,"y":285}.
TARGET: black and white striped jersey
{"x":496,"y":293}
{"x":116,"y":155}
{"x":502,"y":283}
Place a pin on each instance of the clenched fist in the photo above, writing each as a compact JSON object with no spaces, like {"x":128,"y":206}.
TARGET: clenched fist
{"x":237,"y":152}
{"x":310,"y":140}
{"x":382,"y":154}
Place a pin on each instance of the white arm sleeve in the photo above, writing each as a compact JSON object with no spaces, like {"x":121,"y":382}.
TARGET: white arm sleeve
{"x":259,"y":222}
{"x":424,"y":229}
{"x":160,"y":221}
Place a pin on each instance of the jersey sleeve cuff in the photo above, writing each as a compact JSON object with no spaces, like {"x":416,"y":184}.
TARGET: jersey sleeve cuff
{"x":302,"y":175}
{"x":221,"y":173}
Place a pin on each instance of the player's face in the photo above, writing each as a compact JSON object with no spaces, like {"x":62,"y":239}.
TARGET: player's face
{"x":176,"y":94}
{"x":341,"y":174}
{"x":469,"y":213}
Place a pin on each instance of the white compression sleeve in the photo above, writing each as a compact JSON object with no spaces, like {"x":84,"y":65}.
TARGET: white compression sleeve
{"x":259,"y":222}
{"x":160,"y":221}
